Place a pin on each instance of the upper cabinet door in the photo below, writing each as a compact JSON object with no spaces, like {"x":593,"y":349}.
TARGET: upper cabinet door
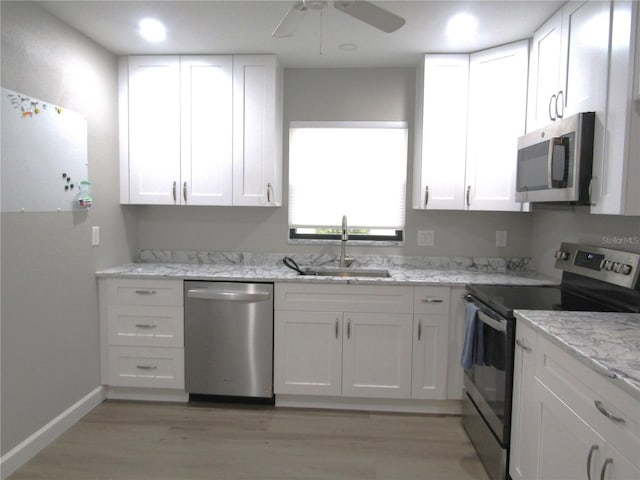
{"x":257,"y":122}
{"x":441,"y":133}
{"x":544,"y":76}
{"x":207,"y":127}
{"x":497,"y":109}
{"x":154,"y":129}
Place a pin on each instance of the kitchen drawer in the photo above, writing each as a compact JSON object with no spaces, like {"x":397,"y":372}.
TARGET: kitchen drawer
{"x":431,"y":300}
{"x":142,"y":325}
{"x":580,"y":387}
{"x":344,"y":298}
{"x":135,"y":291}
{"x":146,"y":367}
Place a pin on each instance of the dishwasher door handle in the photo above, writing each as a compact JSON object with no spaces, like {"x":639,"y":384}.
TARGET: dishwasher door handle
{"x":207,"y":294}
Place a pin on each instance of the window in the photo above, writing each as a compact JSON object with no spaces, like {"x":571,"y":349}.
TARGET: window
{"x":357,"y":169}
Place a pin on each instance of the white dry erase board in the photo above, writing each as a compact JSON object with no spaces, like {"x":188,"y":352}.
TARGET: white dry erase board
{"x":44,"y":154}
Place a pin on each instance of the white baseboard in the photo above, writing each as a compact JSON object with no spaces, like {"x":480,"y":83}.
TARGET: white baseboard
{"x":29,"y":448}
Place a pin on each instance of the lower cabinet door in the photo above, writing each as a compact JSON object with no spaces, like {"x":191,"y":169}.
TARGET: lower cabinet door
{"x":377,"y":355}
{"x":307,"y":353}
{"x":569,"y":448}
{"x":146,"y":367}
{"x":616,"y":467}
{"x":430,"y":342}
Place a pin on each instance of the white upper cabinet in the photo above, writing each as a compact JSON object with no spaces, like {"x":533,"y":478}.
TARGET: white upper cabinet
{"x":153,"y":133}
{"x":471,"y":110}
{"x":441,"y":132}
{"x":616,"y":167}
{"x":497,"y":110}
{"x":201,"y":130}
{"x":569,"y":61}
{"x":257,"y":123}
{"x":207,"y":133}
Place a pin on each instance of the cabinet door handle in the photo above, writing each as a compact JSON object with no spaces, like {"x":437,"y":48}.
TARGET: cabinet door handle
{"x":419,"y":330}
{"x":426,"y":196}
{"x":603,"y":473}
{"x":607,"y":413}
{"x":468,"y":195}
{"x":184,"y":191}
{"x":431,"y":300}
{"x":337,"y":332}
{"x":348,"y":329}
{"x":521,"y":344}
{"x":552,"y":101}
{"x":560,"y":97}
{"x":593,"y":449}
{"x":146,"y":367}
{"x":145,"y":292}
{"x":174,"y":192}
{"x":145,"y":325}
{"x":269,"y":193}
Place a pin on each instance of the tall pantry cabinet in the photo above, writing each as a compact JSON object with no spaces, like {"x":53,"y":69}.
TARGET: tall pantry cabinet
{"x":201,"y":130}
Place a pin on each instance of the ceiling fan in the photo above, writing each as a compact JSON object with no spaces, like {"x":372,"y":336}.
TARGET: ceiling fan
{"x":362,"y":10}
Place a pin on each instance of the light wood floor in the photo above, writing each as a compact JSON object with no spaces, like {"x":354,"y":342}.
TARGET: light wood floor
{"x":133,"y":440}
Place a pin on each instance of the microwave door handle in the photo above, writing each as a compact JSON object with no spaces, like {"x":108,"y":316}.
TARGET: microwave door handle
{"x":551,"y":182}
{"x":493,"y":323}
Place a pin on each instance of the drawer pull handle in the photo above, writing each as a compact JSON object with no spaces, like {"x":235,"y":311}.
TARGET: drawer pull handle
{"x":419,"y":330}
{"x":348,"y":329}
{"x":146,"y":367}
{"x":606,"y":463}
{"x":432,"y":300}
{"x":337,"y":331}
{"x":145,"y":325}
{"x":145,"y":292}
{"x":593,"y":449}
{"x":607,"y":413}
{"x":521,"y":344}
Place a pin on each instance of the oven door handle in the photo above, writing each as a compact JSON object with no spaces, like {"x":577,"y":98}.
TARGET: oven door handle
{"x":492,"y":322}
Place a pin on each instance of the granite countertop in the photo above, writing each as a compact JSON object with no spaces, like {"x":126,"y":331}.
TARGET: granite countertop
{"x":607,"y":342}
{"x":275,"y":273}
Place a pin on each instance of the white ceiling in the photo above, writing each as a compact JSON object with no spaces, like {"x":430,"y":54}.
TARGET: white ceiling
{"x":236,"y":26}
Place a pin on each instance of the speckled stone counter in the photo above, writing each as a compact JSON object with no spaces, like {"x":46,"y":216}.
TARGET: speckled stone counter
{"x":268,"y":267}
{"x":608,"y":342}
{"x":407,"y":276}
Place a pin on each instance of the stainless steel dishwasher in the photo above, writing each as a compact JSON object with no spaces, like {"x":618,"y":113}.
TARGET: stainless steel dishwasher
{"x":228,"y":330}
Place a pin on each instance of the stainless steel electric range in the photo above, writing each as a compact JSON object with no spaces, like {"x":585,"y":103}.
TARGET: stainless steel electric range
{"x":593,"y":279}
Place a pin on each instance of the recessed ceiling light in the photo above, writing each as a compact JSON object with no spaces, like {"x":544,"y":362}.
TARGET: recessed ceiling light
{"x":462,"y":26}
{"x":152,"y":30}
{"x":348,"y":47}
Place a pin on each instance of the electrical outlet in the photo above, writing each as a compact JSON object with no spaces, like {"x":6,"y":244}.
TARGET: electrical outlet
{"x":95,"y":236}
{"x":501,"y":238}
{"x":425,"y":238}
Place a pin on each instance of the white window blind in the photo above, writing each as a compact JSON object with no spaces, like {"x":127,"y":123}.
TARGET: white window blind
{"x":357,"y":169}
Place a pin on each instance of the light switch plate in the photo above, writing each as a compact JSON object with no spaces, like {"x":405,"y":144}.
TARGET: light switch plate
{"x":425,"y":238}
{"x":95,"y":236}
{"x":501,"y":238}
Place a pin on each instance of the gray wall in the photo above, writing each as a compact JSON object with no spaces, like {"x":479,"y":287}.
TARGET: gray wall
{"x":50,"y":338}
{"x":333,"y":94}
{"x":551,"y":227}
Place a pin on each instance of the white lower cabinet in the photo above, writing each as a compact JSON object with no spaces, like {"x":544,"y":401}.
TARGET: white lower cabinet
{"x":376,"y":355}
{"x":142,"y":331}
{"x":568,"y":421}
{"x":307,"y":353}
{"x":360,"y":341}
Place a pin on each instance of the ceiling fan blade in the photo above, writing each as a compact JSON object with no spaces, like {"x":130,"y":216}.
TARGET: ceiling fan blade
{"x":289,"y":23}
{"x":371,"y":14}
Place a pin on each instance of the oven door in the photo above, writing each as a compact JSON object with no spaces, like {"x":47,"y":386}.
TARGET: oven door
{"x":489,"y":381}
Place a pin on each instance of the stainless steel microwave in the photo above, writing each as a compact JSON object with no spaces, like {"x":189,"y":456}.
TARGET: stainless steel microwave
{"x":554,"y":162}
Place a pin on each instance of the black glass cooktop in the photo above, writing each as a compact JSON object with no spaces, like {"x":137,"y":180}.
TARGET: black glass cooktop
{"x":506,"y":298}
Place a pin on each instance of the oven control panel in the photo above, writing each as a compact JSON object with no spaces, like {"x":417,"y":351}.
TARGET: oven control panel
{"x":612,"y":266}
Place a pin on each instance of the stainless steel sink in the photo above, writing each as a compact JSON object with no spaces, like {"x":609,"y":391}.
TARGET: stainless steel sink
{"x":347,"y":272}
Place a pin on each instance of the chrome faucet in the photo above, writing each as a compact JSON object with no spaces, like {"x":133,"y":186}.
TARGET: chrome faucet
{"x":344,"y":261}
